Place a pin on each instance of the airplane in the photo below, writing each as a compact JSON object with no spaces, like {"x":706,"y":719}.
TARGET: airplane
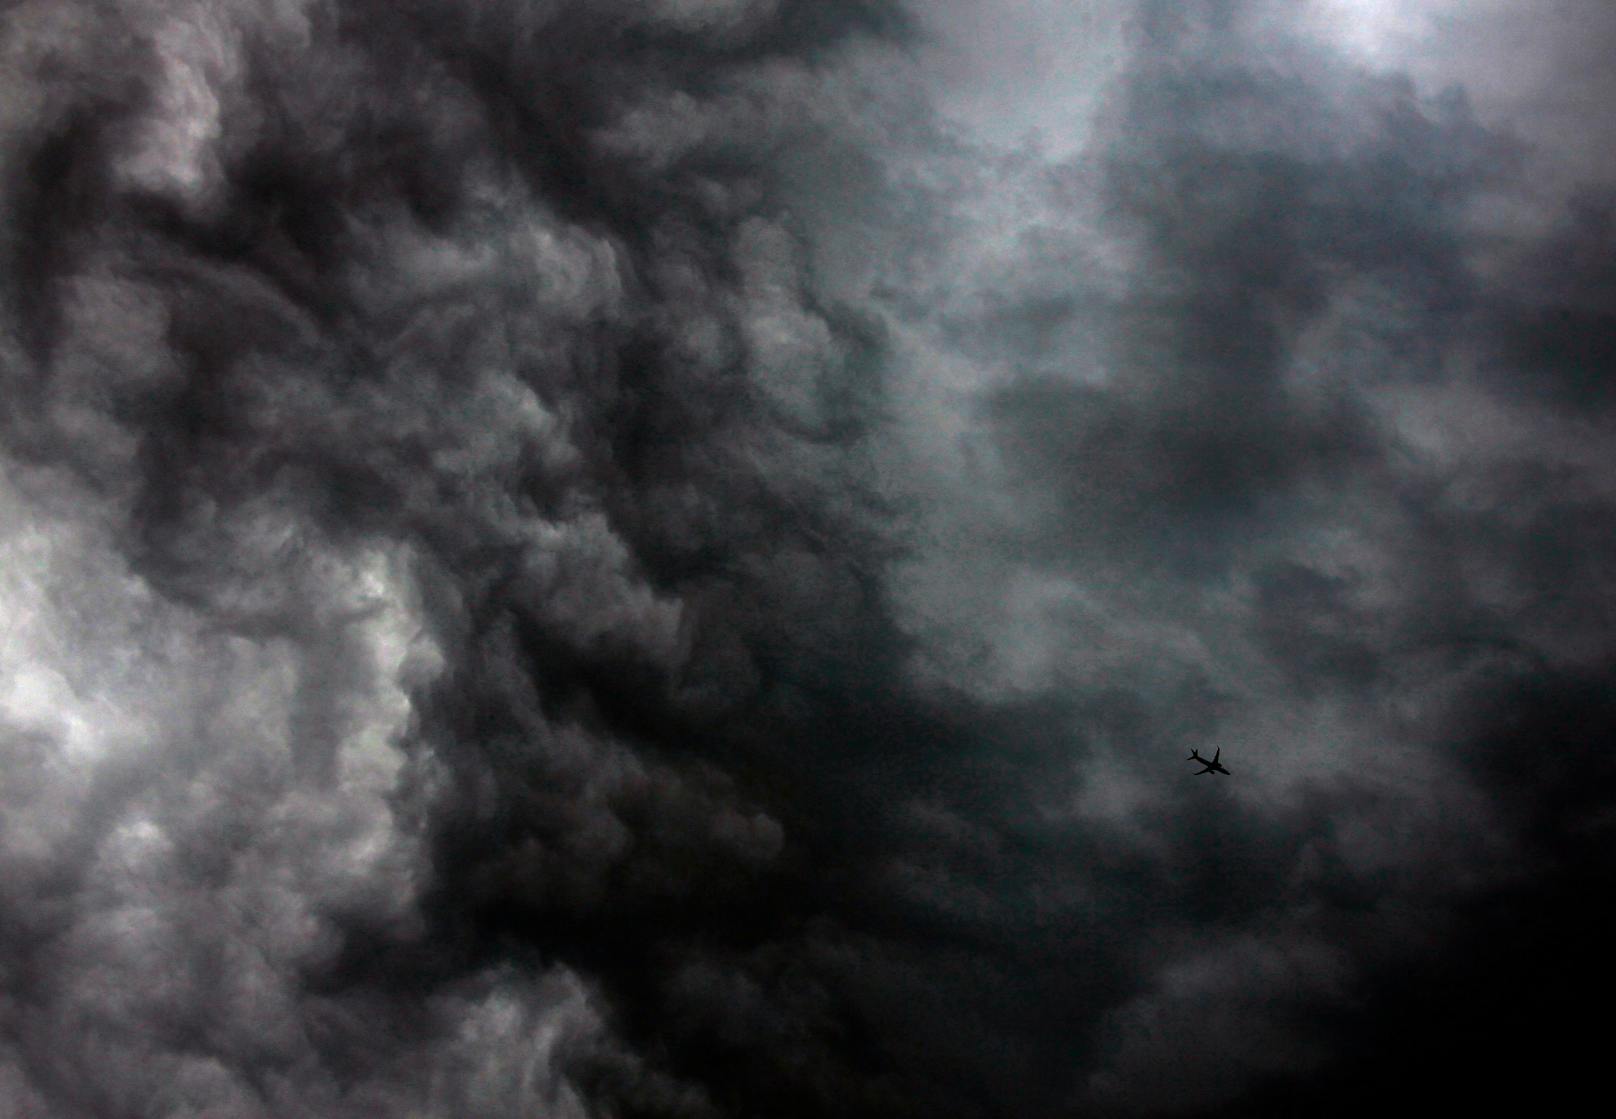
{"x":1213,"y":766}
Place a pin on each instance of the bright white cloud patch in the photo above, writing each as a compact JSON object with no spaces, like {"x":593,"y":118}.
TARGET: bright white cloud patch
{"x":195,"y":820}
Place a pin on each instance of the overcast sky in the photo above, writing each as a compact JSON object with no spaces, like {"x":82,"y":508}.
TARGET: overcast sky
{"x":639,"y":559}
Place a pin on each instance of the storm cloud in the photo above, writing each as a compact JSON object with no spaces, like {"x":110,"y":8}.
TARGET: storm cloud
{"x":664,"y":558}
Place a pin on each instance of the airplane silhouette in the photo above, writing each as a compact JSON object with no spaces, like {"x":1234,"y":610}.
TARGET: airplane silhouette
{"x":1213,"y":766}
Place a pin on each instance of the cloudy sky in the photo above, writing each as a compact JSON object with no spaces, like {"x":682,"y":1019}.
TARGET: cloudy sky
{"x":661,"y":559}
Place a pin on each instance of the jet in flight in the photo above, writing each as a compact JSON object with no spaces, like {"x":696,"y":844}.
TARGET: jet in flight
{"x":1213,"y":766}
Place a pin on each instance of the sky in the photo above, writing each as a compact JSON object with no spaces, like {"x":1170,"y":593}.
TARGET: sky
{"x":662,"y":559}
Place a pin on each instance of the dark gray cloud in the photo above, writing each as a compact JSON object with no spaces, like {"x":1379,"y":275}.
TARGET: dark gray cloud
{"x":646,"y":559}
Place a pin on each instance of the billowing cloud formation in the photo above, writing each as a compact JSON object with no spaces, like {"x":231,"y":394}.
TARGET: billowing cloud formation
{"x":636,"y":559}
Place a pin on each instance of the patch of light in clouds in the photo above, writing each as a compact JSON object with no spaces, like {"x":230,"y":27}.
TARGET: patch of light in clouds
{"x":1024,"y":70}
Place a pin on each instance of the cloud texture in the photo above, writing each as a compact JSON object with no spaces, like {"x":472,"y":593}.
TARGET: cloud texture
{"x":663,"y":558}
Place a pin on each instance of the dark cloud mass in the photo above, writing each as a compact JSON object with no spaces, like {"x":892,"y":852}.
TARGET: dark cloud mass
{"x":661,"y":558}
